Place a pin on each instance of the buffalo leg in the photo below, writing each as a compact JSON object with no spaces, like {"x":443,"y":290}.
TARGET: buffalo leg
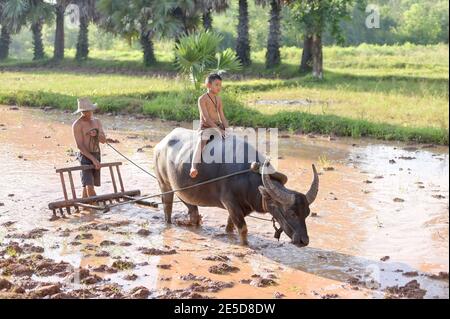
{"x":230,"y":225}
{"x":194,"y":216}
{"x":237,"y":216}
{"x":167,"y":200}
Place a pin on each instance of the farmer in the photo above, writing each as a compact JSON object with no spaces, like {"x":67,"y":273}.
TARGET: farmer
{"x":211,"y":117}
{"x":88,"y":133}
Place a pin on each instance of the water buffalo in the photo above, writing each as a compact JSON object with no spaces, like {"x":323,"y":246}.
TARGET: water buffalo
{"x":240,"y":194}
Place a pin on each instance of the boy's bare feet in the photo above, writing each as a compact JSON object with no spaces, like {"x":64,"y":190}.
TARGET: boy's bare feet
{"x":193,"y":173}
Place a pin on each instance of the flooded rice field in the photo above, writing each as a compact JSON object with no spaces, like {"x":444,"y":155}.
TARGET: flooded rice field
{"x":378,"y":229}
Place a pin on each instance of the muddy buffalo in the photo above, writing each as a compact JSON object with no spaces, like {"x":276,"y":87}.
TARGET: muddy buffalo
{"x":242,"y":194}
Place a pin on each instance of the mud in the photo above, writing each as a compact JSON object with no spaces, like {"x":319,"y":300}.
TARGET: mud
{"x":130,"y":252}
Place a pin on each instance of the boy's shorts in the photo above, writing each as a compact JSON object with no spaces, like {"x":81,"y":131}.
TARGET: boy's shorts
{"x":89,"y":177}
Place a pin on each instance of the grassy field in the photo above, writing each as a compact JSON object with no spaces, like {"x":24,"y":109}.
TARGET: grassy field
{"x":387,"y":92}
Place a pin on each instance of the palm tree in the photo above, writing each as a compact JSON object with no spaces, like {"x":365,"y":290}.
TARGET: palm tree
{"x":273,"y":41}
{"x":18,"y":13}
{"x":196,"y":55}
{"x":13,"y":18}
{"x":141,"y":19}
{"x":5,"y":37}
{"x":209,"y":6}
{"x":38,"y":13}
{"x":188,"y":14}
{"x":60,"y":8}
{"x":5,"y":40}
{"x":243,"y":42}
{"x":87,"y":13}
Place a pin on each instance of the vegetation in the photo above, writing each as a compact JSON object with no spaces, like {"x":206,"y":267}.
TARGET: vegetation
{"x":388,"y":92}
{"x":284,"y":47}
{"x":196,"y":56}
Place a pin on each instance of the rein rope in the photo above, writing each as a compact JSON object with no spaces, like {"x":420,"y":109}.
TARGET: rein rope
{"x":253,"y":168}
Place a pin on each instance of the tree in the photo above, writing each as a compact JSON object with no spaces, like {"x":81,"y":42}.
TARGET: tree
{"x":39,"y":12}
{"x":139,"y":19}
{"x":273,"y":41}
{"x":5,"y":37}
{"x":421,"y":24}
{"x":18,"y":13}
{"x":196,"y":55}
{"x":209,"y":6}
{"x":191,"y":12}
{"x":5,"y":41}
{"x":188,"y":14}
{"x":87,"y":13}
{"x":60,"y":9}
{"x":316,"y":16}
{"x":243,"y":42}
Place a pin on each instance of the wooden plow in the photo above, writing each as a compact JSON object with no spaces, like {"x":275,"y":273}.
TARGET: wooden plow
{"x":119,"y":195}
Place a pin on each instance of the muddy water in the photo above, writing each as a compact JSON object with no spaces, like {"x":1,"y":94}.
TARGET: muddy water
{"x":381,"y":217}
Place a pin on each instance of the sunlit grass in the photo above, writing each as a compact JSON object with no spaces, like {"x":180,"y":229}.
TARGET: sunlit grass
{"x":405,"y":87}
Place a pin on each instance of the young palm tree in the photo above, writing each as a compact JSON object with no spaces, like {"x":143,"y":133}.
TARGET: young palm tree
{"x":196,"y":55}
{"x":273,"y":41}
{"x":243,"y":42}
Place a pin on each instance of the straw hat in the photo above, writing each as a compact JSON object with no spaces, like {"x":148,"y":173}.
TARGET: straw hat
{"x":85,"y":105}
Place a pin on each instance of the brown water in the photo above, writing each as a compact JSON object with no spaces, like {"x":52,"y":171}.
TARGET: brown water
{"x":358,"y":221}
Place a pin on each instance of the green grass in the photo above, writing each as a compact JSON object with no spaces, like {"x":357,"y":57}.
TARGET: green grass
{"x":387,"y":92}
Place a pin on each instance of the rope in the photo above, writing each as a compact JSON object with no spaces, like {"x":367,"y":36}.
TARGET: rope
{"x":108,"y":207}
{"x":129,"y":160}
{"x":255,"y":217}
{"x":181,"y":189}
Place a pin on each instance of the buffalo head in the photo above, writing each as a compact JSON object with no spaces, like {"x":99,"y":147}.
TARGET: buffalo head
{"x":289,"y":208}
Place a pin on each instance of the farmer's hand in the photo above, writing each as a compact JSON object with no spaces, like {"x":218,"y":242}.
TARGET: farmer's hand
{"x":96,"y":164}
{"x":92,"y":132}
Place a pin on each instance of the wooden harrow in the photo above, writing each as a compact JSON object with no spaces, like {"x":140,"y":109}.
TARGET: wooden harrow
{"x":119,"y":195}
